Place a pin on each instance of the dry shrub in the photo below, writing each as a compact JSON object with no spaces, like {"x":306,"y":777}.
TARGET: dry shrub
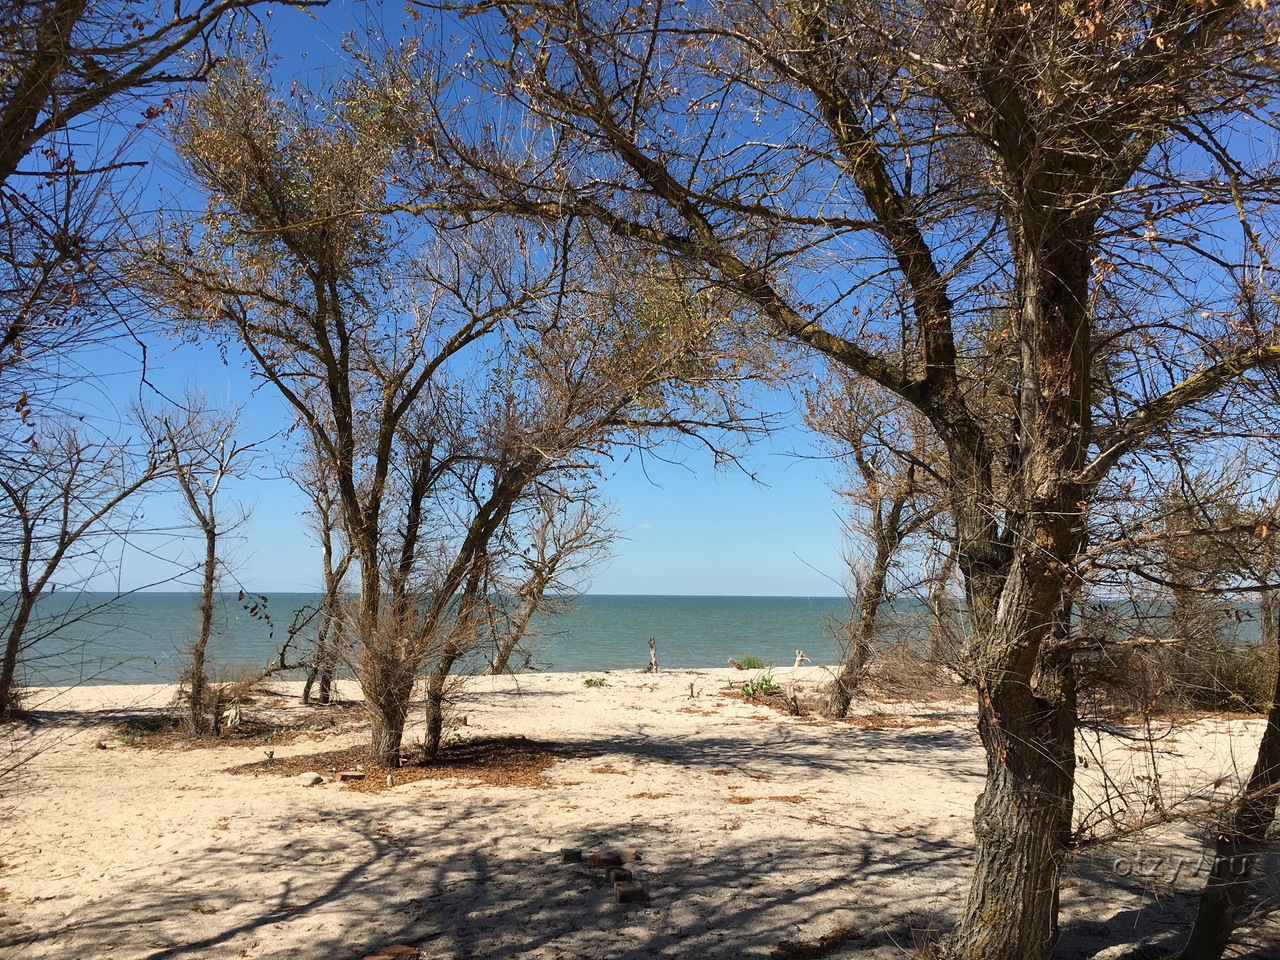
{"x":13,"y":705}
{"x":1120,"y":681}
{"x":237,"y":683}
{"x":1198,"y":674}
{"x":1214,"y":674}
{"x":903,"y":668}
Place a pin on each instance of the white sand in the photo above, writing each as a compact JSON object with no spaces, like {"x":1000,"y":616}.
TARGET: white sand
{"x":754,"y":828}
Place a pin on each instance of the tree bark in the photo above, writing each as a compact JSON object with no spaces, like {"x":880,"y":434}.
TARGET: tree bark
{"x":1023,"y":819}
{"x":13,"y":645}
{"x":387,"y":734}
{"x":870,"y":596}
{"x":1026,"y":712}
{"x":197,"y":683}
{"x":387,"y":711}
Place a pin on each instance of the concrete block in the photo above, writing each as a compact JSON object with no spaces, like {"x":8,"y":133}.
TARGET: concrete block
{"x":604,"y":859}
{"x":629,"y":891}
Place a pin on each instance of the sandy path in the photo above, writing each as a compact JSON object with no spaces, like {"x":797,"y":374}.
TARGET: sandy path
{"x":754,"y":828}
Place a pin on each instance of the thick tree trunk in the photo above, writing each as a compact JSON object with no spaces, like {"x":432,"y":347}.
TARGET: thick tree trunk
{"x":387,"y":676}
{"x":1240,"y":841}
{"x":387,"y":717}
{"x":1022,"y":824}
{"x":387,"y":700}
{"x":1023,"y":819}
{"x":387,"y":672}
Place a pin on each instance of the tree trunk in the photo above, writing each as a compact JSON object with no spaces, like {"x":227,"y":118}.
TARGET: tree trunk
{"x":324,"y":661}
{"x":197,"y":682}
{"x":13,"y":645}
{"x":870,"y":595}
{"x":531,"y":599}
{"x":1023,"y":819}
{"x":436,"y":698}
{"x":387,"y":717}
{"x":1026,"y":697}
{"x":1240,"y":841}
{"x":941,"y":607}
{"x":387,"y":675}
{"x":386,"y":678}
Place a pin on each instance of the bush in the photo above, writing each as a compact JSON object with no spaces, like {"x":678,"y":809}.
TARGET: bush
{"x":762,"y":686}
{"x":1214,"y":674}
{"x":1199,"y":674}
{"x":751,"y":662}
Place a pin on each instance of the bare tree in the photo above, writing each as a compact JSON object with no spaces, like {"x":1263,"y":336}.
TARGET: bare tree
{"x":331,"y":627}
{"x":69,"y":71}
{"x":567,"y":534}
{"x":894,"y":490}
{"x":218,"y":457}
{"x":67,"y":495}
{"x":1004,"y":168}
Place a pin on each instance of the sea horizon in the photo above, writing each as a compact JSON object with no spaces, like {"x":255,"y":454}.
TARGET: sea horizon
{"x":139,"y":637}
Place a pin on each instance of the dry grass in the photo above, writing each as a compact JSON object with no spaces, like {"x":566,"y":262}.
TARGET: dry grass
{"x":168,"y":732}
{"x":493,"y":761}
{"x":814,"y":949}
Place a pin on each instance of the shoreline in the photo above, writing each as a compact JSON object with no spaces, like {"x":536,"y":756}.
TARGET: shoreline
{"x":755,"y":829}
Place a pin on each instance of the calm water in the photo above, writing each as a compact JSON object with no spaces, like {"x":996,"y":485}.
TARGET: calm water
{"x":138,"y":639}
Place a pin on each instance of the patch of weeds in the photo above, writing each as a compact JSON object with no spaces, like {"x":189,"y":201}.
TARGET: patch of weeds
{"x":139,"y":730}
{"x":595,"y":682}
{"x":751,"y":662}
{"x":760,"y":687}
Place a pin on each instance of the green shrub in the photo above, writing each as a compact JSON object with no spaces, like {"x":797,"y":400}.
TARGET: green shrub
{"x":763,"y":686}
{"x":595,"y":682}
{"x":752,"y":663}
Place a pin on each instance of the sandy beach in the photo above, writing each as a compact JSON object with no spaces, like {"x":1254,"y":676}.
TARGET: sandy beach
{"x":759,"y":834}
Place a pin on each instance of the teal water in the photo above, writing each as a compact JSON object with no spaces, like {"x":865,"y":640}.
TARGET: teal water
{"x":140,"y":638}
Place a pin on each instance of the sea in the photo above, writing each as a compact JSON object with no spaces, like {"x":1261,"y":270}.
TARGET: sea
{"x":141,"y":638}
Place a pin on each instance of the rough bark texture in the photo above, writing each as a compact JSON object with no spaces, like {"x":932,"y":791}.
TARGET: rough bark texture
{"x":388,"y":687}
{"x":1026,"y":697}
